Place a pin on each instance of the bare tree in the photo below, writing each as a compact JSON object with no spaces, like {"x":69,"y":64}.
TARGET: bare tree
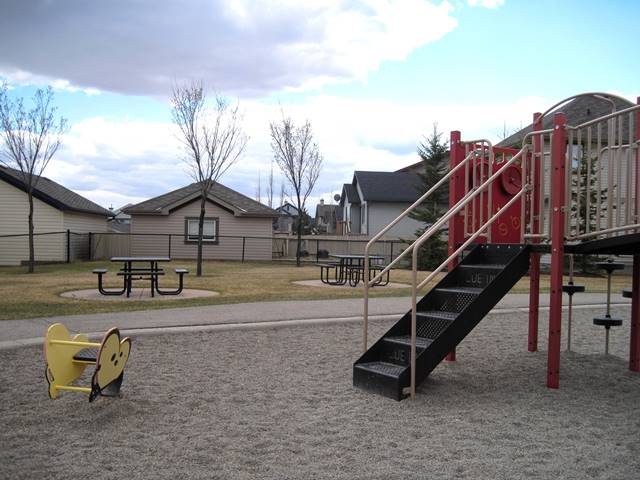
{"x":212,"y":137}
{"x":300,"y":161}
{"x":259,"y":189}
{"x":30,"y":139}
{"x":270,"y":187}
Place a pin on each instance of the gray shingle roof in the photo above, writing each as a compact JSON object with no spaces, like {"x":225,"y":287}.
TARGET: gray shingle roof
{"x":349,"y":191}
{"x":239,"y":204}
{"x":388,"y":186}
{"x":577,"y":111}
{"x":53,"y":193}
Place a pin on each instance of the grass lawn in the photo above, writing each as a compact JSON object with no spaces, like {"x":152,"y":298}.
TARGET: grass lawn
{"x":25,"y":295}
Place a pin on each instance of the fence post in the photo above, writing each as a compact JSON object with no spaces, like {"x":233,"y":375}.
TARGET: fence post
{"x":243,"y":243}
{"x":169,"y":246}
{"x":90,"y":245}
{"x":317,"y":250}
{"x":68,"y":245}
{"x":391,"y":253}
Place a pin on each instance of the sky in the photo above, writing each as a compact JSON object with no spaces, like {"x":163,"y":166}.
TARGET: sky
{"x":371,"y":76}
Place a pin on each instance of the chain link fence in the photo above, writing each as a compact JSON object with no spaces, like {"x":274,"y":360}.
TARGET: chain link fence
{"x":68,"y":246}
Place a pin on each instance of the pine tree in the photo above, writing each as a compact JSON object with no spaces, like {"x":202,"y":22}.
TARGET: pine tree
{"x":435,"y":159}
{"x":579,"y":190}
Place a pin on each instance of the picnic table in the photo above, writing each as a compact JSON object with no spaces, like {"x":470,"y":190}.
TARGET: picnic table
{"x":350,"y":269}
{"x":140,"y":268}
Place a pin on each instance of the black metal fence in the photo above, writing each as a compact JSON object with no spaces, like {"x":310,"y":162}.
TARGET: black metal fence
{"x":68,"y":246}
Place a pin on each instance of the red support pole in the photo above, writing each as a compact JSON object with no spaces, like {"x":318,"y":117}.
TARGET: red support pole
{"x":534,"y":259}
{"x":634,"y":343}
{"x":558,"y":160}
{"x":456,"y":191}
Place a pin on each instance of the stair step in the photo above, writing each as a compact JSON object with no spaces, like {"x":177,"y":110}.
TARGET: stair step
{"x":405,"y":340}
{"x":386,"y":369}
{"x":483,"y":266}
{"x":464,"y":290}
{"x":438,"y":315}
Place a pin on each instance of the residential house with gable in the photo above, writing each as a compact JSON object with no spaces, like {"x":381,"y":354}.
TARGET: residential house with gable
{"x":374,"y":199}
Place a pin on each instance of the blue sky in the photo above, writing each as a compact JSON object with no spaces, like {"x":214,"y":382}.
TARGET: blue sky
{"x":372,"y":76}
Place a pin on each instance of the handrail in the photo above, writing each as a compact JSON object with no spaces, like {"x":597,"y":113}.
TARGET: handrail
{"x":428,"y":234}
{"x":376,"y":237}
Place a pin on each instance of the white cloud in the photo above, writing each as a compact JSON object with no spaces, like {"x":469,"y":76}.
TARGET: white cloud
{"x":485,"y":3}
{"x":242,"y":47}
{"x":120,"y":162}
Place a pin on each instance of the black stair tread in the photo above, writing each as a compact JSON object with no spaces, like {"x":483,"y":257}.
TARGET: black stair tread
{"x":473,"y":290}
{"x":421,"y":342}
{"x":489,"y":266}
{"x":382,"y":368}
{"x":438,"y":314}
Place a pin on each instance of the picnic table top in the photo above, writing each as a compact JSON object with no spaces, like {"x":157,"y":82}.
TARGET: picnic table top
{"x":140,"y":259}
{"x":357,"y":257}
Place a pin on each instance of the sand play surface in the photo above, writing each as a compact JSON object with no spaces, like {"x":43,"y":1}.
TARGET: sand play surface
{"x":279,"y":404}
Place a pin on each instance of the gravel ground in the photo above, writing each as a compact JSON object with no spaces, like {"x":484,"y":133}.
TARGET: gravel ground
{"x":279,"y":404}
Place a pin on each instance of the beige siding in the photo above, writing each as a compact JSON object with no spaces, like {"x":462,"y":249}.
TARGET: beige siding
{"x":228,"y":226}
{"x":84,"y":222}
{"x":14,"y":211}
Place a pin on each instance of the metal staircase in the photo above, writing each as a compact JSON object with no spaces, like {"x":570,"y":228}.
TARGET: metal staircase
{"x":445,"y":316}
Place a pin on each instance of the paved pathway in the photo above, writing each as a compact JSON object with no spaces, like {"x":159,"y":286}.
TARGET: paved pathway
{"x":245,"y":315}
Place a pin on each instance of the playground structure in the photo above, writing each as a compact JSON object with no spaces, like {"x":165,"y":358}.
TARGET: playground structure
{"x":68,"y":357}
{"x":509,"y":206}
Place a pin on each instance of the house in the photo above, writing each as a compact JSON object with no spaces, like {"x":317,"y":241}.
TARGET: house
{"x":120,"y":222}
{"x":287,"y":214}
{"x":56,"y":209}
{"x":374,"y":199}
{"x":235,"y":225}
{"x":325,"y":221}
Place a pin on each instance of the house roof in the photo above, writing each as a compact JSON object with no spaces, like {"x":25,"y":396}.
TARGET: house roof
{"x":326,"y":212}
{"x":53,"y":193}
{"x":577,"y":111}
{"x":286,"y":208}
{"x":388,"y":186}
{"x":351,"y":193}
{"x":417,"y":167}
{"x":240,"y":205}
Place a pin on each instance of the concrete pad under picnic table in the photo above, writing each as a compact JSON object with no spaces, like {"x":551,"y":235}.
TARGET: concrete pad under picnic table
{"x":136,"y":295}
{"x":319,"y":283}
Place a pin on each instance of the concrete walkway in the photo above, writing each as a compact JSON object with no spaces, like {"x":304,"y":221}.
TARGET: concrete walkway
{"x":15,"y":333}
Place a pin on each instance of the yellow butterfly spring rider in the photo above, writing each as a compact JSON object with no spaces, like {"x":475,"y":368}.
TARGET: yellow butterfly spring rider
{"x":67,"y":358}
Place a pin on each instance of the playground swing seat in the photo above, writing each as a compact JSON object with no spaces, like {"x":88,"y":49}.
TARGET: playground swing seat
{"x":67,"y":358}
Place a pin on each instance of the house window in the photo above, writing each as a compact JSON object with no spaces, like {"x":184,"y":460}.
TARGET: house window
{"x":209,"y":230}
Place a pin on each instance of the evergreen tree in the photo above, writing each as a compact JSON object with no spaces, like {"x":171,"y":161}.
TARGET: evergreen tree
{"x":435,"y":159}
{"x":579,"y":191}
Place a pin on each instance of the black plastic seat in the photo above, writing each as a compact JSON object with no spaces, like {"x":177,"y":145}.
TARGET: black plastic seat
{"x":627,"y":293}
{"x":609,"y":266}
{"x":607,"y":321}
{"x":570,"y":289}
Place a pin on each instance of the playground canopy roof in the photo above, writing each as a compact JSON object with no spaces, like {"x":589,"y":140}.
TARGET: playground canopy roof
{"x":577,"y":111}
